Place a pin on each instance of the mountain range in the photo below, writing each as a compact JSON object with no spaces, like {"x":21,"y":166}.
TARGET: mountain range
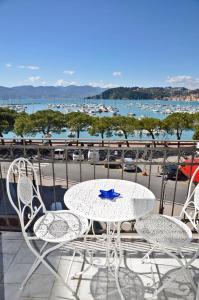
{"x":29,"y":91}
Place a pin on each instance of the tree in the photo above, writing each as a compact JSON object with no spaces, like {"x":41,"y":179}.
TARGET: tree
{"x":23,"y":125}
{"x":151,"y":125}
{"x":177,"y":123}
{"x":125,"y":124}
{"x":101,"y":125}
{"x":196,"y":133}
{"x":46,"y":121}
{"x":76,"y":121}
{"x":7,"y":120}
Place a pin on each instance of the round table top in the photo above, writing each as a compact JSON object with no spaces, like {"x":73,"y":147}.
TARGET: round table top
{"x":135,"y":200}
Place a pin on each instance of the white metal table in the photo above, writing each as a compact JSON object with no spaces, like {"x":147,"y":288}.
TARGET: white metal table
{"x":134,"y":202}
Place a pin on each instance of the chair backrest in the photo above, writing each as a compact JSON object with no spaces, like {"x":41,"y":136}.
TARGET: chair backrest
{"x":164,"y":231}
{"x":25,"y":196}
{"x":191,"y":206}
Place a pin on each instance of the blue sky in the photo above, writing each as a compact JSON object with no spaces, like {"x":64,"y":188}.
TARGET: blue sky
{"x":99,"y":42}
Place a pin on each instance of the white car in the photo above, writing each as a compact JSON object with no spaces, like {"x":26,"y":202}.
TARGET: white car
{"x":129,"y":164}
{"x":93,"y":155}
{"x":78,"y":156}
{"x":59,"y":154}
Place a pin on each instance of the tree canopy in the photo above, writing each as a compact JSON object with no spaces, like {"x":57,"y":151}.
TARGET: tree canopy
{"x":126,"y":124}
{"x":23,"y":125}
{"x":151,"y":125}
{"x":7,"y":120}
{"x":76,"y":121}
{"x":101,"y":125}
{"x":46,"y":121}
{"x":178,"y":122}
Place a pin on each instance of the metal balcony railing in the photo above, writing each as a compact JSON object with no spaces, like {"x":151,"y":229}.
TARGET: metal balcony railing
{"x":63,"y":163}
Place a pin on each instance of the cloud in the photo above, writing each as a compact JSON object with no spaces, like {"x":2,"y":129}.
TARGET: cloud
{"x":34,"y":79}
{"x":8,"y":65}
{"x":30,"y":67}
{"x":33,"y":67}
{"x":102,"y":84}
{"x":183,"y":80}
{"x":68,"y":72}
{"x":117,"y":73}
{"x":62,"y":82}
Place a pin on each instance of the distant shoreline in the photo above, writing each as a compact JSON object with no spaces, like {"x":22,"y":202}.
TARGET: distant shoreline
{"x":153,"y":93}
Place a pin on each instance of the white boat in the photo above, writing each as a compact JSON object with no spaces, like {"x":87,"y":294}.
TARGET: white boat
{"x":119,"y":132}
{"x":71,"y":134}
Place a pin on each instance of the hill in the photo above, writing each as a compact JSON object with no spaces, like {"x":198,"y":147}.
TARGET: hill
{"x":28,"y":91}
{"x":164,"y":93}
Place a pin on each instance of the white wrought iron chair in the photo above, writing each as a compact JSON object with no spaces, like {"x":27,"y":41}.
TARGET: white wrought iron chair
{"x":167,"y":235}
{"x":191,"y":206}
{"x":54,"y":227}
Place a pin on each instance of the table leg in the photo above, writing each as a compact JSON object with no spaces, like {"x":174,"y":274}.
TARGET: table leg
{"x":113,"y":251}
{"x":119,"y":260}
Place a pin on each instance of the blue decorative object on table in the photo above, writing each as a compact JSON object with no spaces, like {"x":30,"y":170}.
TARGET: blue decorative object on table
{"x":110,"y":194}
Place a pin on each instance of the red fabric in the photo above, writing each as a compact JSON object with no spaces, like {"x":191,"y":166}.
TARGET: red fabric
{"x":188,"y":170}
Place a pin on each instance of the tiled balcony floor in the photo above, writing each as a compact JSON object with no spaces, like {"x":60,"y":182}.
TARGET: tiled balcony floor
{"x":134,"y":277}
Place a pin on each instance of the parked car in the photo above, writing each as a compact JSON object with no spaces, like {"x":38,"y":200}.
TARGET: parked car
{"x":171,"y":171}
{"x":59,"y":154}
{"x":93,"y":155}
{"x":114,"y":162}
{"x":78,"y":156}
{"x":129,"y":165}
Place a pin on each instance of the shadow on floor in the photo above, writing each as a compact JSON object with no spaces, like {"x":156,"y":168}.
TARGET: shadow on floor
{"x":177,"y":285}
{"x":103,"y":285}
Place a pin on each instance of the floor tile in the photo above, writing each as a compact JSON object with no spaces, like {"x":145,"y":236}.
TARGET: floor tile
{"x":12,"y":235}
{"x":16,"y":273}
{"x":39,"y":286}
{"x":10,"y":246}
{"x":24,"y":256}
{"x":5,"y":261}
{"x":60,"y":291}
{"x":10,"y":292}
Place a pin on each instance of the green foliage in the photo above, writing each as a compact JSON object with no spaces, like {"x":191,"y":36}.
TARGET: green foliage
{"x":101,"y":125}
{"x":7,"y":119}
{"x":126,"y":124}
{"x":76,"y":121}
{"x":196,"y":133}
{"x":47,"y":120}
{"x":23,"y":125}
{"x":177,"y":123}
{"x":151,"y":125}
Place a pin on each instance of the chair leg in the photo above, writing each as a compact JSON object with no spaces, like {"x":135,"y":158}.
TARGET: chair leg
{"x":41,"y":259}
{"x":58,"y":276}
{"x":34,"y":266}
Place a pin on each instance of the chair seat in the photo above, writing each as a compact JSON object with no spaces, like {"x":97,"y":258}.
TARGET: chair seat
{"x":164,"y":231}
{"x":60,"y":226}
